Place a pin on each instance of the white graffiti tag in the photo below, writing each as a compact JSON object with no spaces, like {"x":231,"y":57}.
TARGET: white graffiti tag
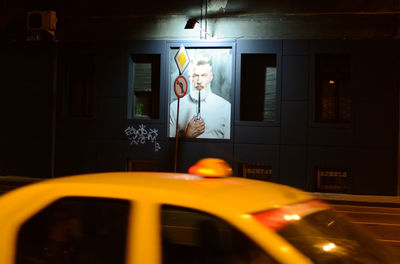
{"x":141,"y":135}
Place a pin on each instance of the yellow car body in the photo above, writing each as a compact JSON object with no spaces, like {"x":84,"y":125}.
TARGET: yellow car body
{"x":231,"y":199}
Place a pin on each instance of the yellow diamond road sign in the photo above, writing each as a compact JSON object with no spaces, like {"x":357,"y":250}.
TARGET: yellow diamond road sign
{"x":182,"y":59}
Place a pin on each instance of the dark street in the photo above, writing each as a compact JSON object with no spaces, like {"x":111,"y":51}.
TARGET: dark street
{"x":378,"y":215}
{"x":383,"y":222}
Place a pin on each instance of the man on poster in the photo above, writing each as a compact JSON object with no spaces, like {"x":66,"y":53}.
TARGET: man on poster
{"x":203,"y":114}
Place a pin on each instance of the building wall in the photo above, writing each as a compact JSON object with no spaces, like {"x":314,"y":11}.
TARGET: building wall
{"x":226,"y":19}
{"x":26,"y":108}
{"x":34,"y":143}
{"x":294,"y":145}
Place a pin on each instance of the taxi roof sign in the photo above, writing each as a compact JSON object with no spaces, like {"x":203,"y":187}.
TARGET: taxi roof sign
{"x":182,"y":59}
{"x":211,"y":168}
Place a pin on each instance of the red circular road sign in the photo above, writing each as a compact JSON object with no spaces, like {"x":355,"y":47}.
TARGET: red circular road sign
{"x":180,"y":86}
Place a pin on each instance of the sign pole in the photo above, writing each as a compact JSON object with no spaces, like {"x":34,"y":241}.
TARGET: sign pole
{"x":180,"y":88}
{"x":176,"y":136}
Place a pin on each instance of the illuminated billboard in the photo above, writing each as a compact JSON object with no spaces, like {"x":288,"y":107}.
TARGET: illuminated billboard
{"x":205,"y":111}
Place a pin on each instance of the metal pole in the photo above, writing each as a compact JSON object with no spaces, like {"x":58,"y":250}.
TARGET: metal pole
{"x":176,"y":137}
{"x":205,"y":18}
{"x":201,"y":20}
{"x":54,"y":111}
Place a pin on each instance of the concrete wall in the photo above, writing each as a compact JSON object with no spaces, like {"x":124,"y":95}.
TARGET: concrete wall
{"x":224,"y":19}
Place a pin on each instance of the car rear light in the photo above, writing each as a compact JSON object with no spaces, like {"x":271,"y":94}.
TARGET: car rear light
{"x":278,"y":218}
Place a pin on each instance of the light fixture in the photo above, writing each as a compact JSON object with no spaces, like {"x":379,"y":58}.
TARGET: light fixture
{"x":194,"y":23}
{"x":191,"y":23}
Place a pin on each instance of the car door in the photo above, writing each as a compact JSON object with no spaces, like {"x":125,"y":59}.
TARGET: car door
{"x":74,"y":230}
{"x":194,"y":237}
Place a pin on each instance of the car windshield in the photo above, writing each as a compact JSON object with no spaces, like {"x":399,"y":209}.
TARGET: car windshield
{"x":326,"y":237}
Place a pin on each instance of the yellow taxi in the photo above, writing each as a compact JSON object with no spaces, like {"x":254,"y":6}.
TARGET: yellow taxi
{"x":204,"y":216}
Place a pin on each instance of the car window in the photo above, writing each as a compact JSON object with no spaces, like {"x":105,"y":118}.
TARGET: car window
{"x":75,"y":230}
{"x":190,"y":236}
{"x":326,"y":237}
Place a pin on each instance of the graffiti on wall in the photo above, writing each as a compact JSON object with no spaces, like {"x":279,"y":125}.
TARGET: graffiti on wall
{"x":142,"y":135}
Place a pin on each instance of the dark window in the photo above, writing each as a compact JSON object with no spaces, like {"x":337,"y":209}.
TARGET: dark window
{"x":3,"y":12}
{"x":258,"y":93}
{"x":142,"y":165}
{"x":331,"y":180}
{"x":79,"y":86}
{"x":75,"y":230}
{"x":255,"y":171}
{"x":145,"y":86}
{"x":332,"y":88}
{"x":190,"y":236}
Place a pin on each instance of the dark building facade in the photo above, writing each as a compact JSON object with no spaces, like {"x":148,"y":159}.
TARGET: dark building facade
{"x":313,"y":92}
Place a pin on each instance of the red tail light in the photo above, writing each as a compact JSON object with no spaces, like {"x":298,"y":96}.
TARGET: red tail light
{"x":277,"y":219}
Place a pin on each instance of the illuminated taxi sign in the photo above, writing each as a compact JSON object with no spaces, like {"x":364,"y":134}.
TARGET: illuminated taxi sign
{"x":211,"y":168}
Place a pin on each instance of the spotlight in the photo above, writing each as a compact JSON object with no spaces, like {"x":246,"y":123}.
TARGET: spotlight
{"x":191,"y":23}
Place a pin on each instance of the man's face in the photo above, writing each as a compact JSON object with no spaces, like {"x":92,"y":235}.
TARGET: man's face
{"x":202,"y":76}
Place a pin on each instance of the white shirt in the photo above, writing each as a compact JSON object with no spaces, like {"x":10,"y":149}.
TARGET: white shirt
{"x":214,"y":110}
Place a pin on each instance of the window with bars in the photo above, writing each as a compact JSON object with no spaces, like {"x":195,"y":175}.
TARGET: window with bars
{"x":331,"y":180}
{"x":255,"y":171}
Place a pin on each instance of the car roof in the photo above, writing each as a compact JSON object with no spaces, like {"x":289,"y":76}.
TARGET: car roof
{"x":239,"y":194}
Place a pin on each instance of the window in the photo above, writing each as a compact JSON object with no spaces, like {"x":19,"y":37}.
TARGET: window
{"x":258,"y":93}
{"x":327,"y":237}
{"x":79,"y":86}
{"x":255,"y":171}
{"x":190,"y":236}
{"x":142,"y":165}
{"x":145,"y":95}
{"x":331,"y":180}
{"x":332,"y":88}
{"x":75,"y":230}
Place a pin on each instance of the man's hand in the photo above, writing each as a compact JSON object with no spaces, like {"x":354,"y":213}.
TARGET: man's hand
{"x":195,"y":128}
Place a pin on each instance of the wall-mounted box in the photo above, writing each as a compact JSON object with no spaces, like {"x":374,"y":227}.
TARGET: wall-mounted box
{"x":41,"y":20}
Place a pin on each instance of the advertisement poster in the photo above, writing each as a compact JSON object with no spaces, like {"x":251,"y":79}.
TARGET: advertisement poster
{"x":205,"y":110}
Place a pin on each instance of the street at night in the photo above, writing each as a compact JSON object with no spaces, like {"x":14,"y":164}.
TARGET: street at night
{"x":382,"y":221}
{"x":134,"y":122}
